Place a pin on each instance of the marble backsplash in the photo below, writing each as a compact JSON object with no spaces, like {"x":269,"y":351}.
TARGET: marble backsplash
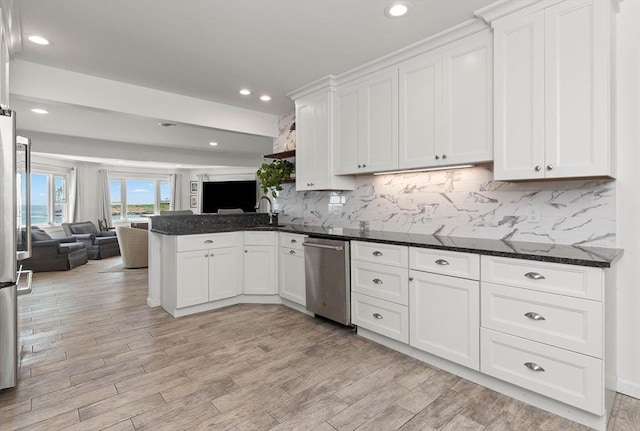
{"x":464,"y":202}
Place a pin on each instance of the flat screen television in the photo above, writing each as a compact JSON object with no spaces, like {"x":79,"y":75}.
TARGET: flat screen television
{"x":228,"y":195}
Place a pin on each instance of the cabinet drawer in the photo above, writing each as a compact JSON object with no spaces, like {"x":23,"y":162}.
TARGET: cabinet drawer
{"x":572,"y":280}
{"x":259,"y":238}
{"x":382,"y":317}
{"x":566,"y":376}
{"x":291,"y":240}
{"x":465,"y":265}
{"x":386,"y":282}
{"x":206,"y":241}
{"x":387,"y":254}
{"x":562,"y":321}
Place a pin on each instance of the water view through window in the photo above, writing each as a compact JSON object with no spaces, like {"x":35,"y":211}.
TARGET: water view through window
{"x":135,"y":199}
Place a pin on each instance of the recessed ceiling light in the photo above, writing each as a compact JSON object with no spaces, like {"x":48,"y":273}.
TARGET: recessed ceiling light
{"x":245,"y":92}
{"x":213,"y":144}
{"x":163,"y":124}
{"x":38,"y":39}
{"x":396,"y":9}
{"x":39,"y":111}
{"x":265,"y":97}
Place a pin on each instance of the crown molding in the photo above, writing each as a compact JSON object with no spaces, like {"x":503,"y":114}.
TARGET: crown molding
{"x":328,"y":83}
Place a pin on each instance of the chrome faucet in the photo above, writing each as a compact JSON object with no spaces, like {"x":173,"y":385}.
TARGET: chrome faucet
{"x":270,"y":207}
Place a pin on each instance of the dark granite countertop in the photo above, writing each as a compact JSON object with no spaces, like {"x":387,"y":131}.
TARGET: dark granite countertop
{"x":568,"y":254}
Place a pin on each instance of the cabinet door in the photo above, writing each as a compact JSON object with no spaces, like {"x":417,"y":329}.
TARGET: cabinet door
{"x":292,"y":282}
{"x":349,"y":128}
{"x":444,"y":317}
{"x":519,"y":97}
{"x":259,"y":270}
{"x":379,"y":149}
{"x":312,"y":155}
{"x":467,"y":95}
{"x":577,"y":94}
{"x":420,"y":110}
{"x":192,"y":278}
{"x":224,"y":273}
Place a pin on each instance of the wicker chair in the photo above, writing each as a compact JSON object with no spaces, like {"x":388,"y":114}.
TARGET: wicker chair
{"x":134,"y":246}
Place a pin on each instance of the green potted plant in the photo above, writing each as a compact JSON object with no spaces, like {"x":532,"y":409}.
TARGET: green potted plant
{"x":272,"y":175}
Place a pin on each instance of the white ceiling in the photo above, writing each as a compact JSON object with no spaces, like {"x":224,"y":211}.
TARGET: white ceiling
{"x":209,"y":49}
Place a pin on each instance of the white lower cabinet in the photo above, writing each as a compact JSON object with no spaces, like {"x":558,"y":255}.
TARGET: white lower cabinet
{"x":557,"y":373}
{"x":291,"y":268}
{"x":444,"y":317}
{"x":193,"y":278}
{"x":543,"y":329}
{"x":380,"y":316}
{"x":259,"y":270}
{"x":208,"y":270}
{"x":224,"y":273}
{"x":259,"y":263}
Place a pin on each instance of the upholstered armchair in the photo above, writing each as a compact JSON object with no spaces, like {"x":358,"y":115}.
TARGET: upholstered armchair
{"x":53,"y":254}
{"x":134,"y":246}
{"x":99,"y":245}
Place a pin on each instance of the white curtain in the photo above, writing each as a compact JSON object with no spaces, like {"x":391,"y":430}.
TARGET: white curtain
{"x":72,"y":196}
{"x":104,"y":198}
{"x":175,"y":184}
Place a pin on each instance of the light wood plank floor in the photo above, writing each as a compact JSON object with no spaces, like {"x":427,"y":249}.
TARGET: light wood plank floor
{"x":94,"y":357}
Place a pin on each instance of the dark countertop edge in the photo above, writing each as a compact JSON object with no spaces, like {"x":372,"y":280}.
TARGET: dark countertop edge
{"x":478,"y":250}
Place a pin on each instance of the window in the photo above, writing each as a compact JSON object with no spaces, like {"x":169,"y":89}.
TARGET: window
{"x":136,"y":198}
{"x":48,"y":197}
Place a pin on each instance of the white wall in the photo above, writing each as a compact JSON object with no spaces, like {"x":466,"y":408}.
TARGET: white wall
{"x":628,"y":197}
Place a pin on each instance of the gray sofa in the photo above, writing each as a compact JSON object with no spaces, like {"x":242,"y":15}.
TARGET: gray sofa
{"x":99,"y":245}
{"x":53,"y":254}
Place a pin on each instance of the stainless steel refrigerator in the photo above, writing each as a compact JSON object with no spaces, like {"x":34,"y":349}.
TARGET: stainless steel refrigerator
{"x":15,"y":238}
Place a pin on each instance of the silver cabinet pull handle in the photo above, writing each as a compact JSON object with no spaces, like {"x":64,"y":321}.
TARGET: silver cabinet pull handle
{"x":437,"y":157}
{"x":538,"y":168}
{"x":377,"y":281}
{"x":534,"y":367}
{"x":364,"y":166}
{"x":292,"y":252}
{"x":549,"y":167}
{"x":293,"y":241}
{"x":377,"y":316}
{"x":534,"y":316}
{"x":442,"y":262}
{"x":208,"y":241}
{"x":206,"y":255}
{"x":444,"y":156}
{"x":376,"y":253}
{"x":359,"y":166}
{"x":410,"y":278}
{"x":534,"y":276}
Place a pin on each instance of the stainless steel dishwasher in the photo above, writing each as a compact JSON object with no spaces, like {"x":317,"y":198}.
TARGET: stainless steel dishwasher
{"x":327,"y":277}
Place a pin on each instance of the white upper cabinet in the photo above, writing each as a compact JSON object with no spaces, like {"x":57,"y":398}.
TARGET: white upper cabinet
{"x":552,"y":92}
{"x":314,"y":148}
{"x":446,"y":105}
{"x":367,"y":135}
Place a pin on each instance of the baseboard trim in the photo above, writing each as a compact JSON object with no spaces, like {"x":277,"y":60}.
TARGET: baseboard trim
{"x":629,"y":388}
{"x":152,"y":302}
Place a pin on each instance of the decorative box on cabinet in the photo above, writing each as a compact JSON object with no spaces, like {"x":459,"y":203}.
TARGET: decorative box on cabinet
{"x":543,"y":329}
{"x":553,"y":91}
{"x":367,"y":124}
{"x":379,"y":289}
{"x":315,"y":119}
{"x":291,"y":268}
{"x":260,"y":263}
{"x":444,"y":308}
{"x":446,"y":105}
